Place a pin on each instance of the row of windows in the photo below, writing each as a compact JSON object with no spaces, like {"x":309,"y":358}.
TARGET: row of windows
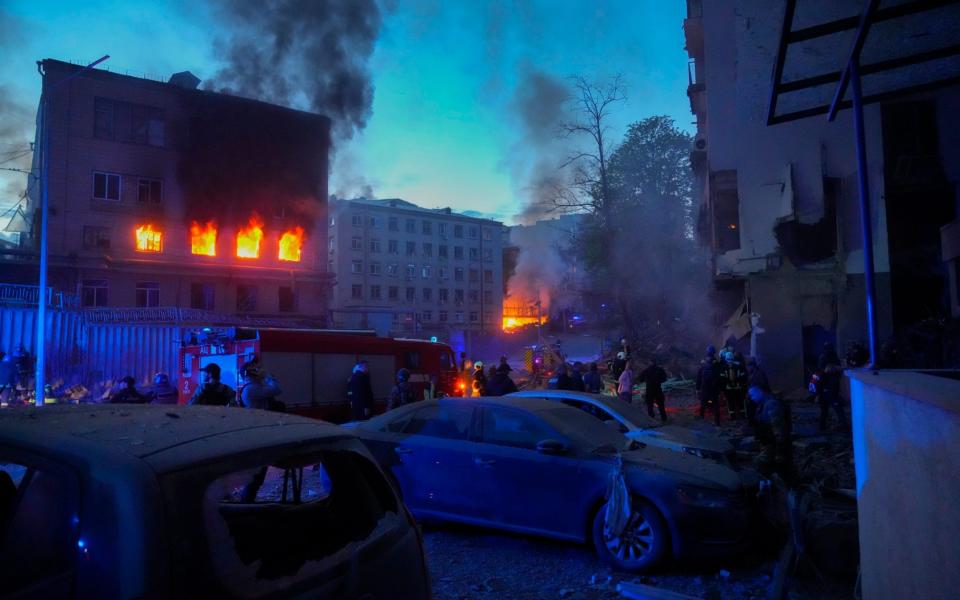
{"x":443,"y":316}
{"x":108,"y":187}
{"x":96,"y":293}
{"x":393,"y":247}
{"x":426,"y":271}
{"x":392,"y":292}
{"x":125,"y":122}
{"x":410,"y":226}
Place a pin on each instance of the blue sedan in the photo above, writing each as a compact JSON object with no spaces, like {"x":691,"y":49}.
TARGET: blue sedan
{"x":539,"y":467}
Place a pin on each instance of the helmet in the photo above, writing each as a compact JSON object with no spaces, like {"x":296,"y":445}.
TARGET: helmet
{"x":711,"y":350}
{"x":161,"y":379}
{"x":403,"y":375}
{"x":755,"y":393}
{"x":478,"y":364}
{"x":622,"y":355}
{"x":252,"y":370}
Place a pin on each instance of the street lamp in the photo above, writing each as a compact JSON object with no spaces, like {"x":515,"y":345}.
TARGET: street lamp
{"x":45,"y":94}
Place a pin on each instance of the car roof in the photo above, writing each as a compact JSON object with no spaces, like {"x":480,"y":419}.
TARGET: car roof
{"x":124,"y":432}
{"x":558,"y":394}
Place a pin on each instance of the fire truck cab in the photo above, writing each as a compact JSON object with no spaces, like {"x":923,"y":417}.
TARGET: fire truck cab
{"x":313,"y":366}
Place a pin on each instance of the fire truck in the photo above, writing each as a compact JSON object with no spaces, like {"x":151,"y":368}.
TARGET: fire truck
{"x":313,"y":366}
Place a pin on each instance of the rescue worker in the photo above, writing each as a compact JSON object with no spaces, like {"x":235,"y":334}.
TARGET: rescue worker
{"x":756,"y":377}
{"x":163,"y":392}
{"x":829,"y":365}
{"x":500,"y":383}
{"x":708,"y":384}
{"x":564,"y":381}
{"x":128,"y":394}
{"x":619,"y":364}
{"x":654,"y":376}
{"x":211,"y":392}
{"x":402,"y":393}
{"x":259,"y":390}
{"x":503,"y":366}
{"x":479,"y":379}
{"x":592,"y":381}
{"x":625,"y":384}
{"x":734,"y":376}
{"x":360,"y":392}
{"x":577,"y":376}
{"x":466,"y":371}
{"x":773,"y":434}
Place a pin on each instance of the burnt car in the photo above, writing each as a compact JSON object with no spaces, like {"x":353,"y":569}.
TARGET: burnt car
{"x":182,"y":502}
{"x":539,"y":467}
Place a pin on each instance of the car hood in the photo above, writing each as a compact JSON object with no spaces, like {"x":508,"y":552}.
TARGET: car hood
{"x":687,"y":437}
{"x":687,"y":469}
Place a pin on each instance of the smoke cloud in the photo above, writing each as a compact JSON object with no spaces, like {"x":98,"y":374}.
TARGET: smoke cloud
{"x":17,"y":124}
{"x":545,"y":270}
{"x":536,"y":158}
{"x":302,"y":53}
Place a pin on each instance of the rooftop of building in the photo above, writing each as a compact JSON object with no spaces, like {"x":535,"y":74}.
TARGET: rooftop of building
{"x":404,"y":205}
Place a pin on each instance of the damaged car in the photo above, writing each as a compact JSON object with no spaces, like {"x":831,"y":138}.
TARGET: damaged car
{"x":100,"y":501}
{"x":636,"y":424}
{"x":538,"y":467}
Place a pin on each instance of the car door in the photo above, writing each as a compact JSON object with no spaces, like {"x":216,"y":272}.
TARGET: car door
{"x":523,"y":488}
{"x":434,"y":465}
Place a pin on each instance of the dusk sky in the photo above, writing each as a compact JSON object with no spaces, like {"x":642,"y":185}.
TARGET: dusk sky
{"x":444,"y":128}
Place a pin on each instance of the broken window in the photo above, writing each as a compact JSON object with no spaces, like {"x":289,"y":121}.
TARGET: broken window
{"x":726,"y":220}
{"x":812,"y":242}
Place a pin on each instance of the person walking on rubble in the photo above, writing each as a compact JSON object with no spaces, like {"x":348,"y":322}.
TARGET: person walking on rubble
{"x":734,"y":375}
{"x":773,"y":435}
{"x":708,"y":384}
{"x":654,"y":376}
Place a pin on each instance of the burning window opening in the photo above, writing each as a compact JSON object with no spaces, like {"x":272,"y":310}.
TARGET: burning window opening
{"x":291,"y":245}
{"x":149,"y":239}
{"x":203,"y":240}
{"x":518,"y":316}
{"x":249,"y":238}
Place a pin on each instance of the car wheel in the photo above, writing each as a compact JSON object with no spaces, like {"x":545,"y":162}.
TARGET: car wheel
{"x":639,"y":547}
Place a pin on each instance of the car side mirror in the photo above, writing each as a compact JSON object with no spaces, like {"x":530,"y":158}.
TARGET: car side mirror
{"x":551,"y":447}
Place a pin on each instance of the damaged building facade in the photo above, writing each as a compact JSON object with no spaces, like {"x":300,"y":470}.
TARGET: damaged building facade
{"x":165,"y":196}
{"x":778,"y":205}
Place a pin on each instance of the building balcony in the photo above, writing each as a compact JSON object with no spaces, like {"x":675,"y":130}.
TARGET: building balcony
{"x":693,"y":28}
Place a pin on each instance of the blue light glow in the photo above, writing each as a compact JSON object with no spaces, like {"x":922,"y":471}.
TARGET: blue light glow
{"x":81,"y":544}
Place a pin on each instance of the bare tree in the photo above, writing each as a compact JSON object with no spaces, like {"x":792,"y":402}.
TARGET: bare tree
{"x":590,"y":182}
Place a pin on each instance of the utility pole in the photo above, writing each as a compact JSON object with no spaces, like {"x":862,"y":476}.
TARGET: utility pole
{"x":38,"y":393}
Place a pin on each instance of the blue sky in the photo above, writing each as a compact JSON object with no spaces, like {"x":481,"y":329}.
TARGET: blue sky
{"x":444,"y":131}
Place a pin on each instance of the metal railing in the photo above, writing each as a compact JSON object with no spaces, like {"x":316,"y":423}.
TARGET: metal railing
{"x":12,"y":294}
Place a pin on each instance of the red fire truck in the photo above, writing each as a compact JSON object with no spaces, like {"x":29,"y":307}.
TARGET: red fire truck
{"x":313,"y":366}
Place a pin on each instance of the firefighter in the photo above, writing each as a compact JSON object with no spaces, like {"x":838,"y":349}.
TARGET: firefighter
{"x":708,"y":384}
{"x":260,"y":390}
{"x":734,"y":375}
{"x":162,"y":392}
{"x":401,"y":393}
{"x":360,"y":392}
{"x":773,"y":434}
{"x":128,"y":394}
{"x":479,"y":379}
{"x":211,"y":392}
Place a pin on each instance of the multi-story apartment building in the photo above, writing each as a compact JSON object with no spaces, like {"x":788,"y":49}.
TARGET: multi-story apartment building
{"x":164,"y":195}
{"x":403,"y":268}
{"x":779,"y":205}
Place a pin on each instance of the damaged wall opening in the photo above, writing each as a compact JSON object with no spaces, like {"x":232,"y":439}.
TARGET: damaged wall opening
{"x":726,"y":210}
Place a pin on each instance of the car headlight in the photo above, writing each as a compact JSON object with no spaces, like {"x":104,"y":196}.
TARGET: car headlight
{"x":706,"y":498}
{"x":703,"y":453}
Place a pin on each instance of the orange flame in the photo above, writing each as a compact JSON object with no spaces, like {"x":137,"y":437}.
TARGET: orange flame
{"x":148,"y":239}
{"x":248,"y":239}
{"x":512,"y":323}
{"x":291,"y":243}
{"x":203,"y":240}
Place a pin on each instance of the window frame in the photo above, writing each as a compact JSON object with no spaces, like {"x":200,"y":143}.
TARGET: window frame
{"x":150,"y":290}
{"x":106,"y":186}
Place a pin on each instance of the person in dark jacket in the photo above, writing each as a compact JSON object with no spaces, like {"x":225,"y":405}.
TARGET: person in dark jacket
{"x":504,"y":366}
{"x":564,"y":381}
{"x":618,"y":365}
{"x":402,"y":393}
{"x":733,"y":373}
{"x":708,"y":384}
{"x":211,"y":392}
{"x":756,"y":377}
{"x":260,"y":390}
{"x":592,"y":381}
{"x":829,"y":365}
{"x":163,"y":392}
{"x":773,"y":434}
{"x":360,"y":392}
{"x":500,"y":383}
{"x":479,"y":379}
{"x":654,"y":376}
{"x":128,"y":394}
{"x":577,"y":376}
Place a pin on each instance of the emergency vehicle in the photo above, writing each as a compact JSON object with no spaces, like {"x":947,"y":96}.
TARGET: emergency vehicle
{"x":313,"y":366}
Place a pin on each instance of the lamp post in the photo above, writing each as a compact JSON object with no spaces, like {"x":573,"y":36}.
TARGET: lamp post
{"x":38,"y":393}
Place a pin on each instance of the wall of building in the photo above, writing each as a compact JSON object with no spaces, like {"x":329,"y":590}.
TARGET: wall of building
{"x":906,"y":426}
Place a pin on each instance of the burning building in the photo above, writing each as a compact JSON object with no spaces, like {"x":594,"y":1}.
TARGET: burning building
{"x":164,"y":195}
{"x":413,"y":270}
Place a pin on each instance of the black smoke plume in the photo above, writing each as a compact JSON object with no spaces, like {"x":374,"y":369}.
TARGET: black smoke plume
{"x":305,"y":53}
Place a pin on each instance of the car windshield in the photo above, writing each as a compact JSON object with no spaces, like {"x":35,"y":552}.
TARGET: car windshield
{"x":585,"y":431}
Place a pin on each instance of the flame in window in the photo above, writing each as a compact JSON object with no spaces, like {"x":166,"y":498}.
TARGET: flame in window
{"x":249,"y":238}
{"x":149,"y":239}
{"x":291,"y":244}
{"x":203,"y":240}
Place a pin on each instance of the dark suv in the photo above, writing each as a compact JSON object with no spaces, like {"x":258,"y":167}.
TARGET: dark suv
{"x":161,"y":502}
